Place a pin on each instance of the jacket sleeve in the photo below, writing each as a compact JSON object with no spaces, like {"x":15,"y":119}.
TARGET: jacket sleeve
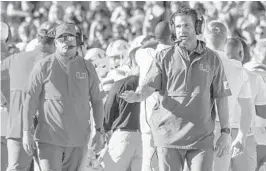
{"x":95,"y":89}
{"x":111,"y":108}
{"x":5,"y":66}
{"x":34,"y":89}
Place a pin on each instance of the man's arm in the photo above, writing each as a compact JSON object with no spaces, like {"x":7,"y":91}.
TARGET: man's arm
{"x":111,"y":108}
{"x":260,"y":101}
{"x":96,"y":96}
{"x":141,"y":93}
{"x":245,"y":103}
{"x":220,"y":91}
{"x":33,"y":92}
{"x":223,"y":112}
{"x":34,"y":89}
{"x":5,"y":65}
{"x":153,"y":81}
{"x":246,"y":117}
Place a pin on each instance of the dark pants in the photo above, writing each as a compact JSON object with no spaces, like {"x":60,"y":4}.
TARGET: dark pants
{"x":4,"y":154}
{"x":261,"y":156}
{"x":171,"y":159}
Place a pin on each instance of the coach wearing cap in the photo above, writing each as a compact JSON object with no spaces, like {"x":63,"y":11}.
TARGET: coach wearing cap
{"x":61,"y":88}
{"x":19,"y":67}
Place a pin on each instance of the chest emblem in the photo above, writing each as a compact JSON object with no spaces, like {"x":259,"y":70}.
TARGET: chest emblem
{"x":81,"y":75}
{"x":205,"y":68}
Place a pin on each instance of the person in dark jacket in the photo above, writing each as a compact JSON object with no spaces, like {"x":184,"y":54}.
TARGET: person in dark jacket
{"x":122,"y":124}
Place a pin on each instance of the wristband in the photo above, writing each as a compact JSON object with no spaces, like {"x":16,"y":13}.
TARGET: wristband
{"x":226,"y":130}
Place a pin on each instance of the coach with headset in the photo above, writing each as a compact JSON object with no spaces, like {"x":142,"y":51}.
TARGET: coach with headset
{"x":190,"y":77}
{"x":61,"y":88}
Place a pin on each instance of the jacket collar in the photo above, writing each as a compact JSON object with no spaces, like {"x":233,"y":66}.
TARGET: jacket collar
{"x":201,"y":47}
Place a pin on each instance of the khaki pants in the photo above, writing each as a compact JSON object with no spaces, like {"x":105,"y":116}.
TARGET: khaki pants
{"x":18,"y":159}
{"x":124,"y":152}
{"x":171,"y":159}
{"x":261,"y":157}
{"x":57,"y":158}
{"x":149,"y":157}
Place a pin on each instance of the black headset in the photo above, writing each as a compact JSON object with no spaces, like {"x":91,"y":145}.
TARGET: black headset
{"x":80,"y":36}
{"x":199,"y":24}
{"x":8,"y":34}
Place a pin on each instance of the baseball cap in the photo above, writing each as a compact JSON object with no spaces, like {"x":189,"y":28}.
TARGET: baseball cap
{"x":64,"y":28}
{"x":94,"y":54}
{"x":4,"y":31}
{"x":117,"y":47}
{"x":45,"y":28}
{"x":215,"y":27}
{"x":136,"y":43}
{"x":162,"y":30}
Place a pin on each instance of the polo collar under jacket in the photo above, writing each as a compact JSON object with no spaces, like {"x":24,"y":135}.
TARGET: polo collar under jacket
{"x":199,"y":50}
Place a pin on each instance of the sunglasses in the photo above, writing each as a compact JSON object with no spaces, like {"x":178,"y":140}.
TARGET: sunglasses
{"x":66,"y":38}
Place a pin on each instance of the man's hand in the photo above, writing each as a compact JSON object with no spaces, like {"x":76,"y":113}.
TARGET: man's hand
{"x":28,"y":142}
{"x":238,"y":147}
{"x":223,"y":145}
{"x":98,"y":142}
{"x":130,"y":96}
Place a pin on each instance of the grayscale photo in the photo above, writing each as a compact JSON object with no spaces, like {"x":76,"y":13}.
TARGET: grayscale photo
{"x":133,"y":85}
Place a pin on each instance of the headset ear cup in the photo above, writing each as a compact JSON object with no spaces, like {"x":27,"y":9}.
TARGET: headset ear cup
{"x":80,"y":40}
{"x":202,"y":25}
{"x":199,"y":25}
{"x":9,"y":35}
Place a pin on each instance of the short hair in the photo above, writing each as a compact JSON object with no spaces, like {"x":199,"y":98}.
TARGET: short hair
{"x":215,"y":33}
{"x":246,"y":49}
{"x":234,"y":42}
{"x":185,"y":11}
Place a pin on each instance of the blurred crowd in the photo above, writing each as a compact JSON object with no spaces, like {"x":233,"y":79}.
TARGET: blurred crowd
{"x":112,"y":29}
{"x":102,"y":22}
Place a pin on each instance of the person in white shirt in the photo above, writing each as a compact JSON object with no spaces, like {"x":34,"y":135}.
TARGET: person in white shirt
{"x":249,"y":155}
{"x":239,"y":102}
{"x":256,"y":74}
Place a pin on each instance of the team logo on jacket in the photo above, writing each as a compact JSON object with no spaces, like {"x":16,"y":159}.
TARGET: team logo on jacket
{"x":204,"y":68}
{"x":226,"y":85}
{"x":81,"y":75}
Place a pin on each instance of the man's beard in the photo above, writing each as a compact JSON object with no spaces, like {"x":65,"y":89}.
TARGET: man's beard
{"x":68,"y":52}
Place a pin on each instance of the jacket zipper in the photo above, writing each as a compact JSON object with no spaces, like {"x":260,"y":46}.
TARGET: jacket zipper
{"x":188,"y":74}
